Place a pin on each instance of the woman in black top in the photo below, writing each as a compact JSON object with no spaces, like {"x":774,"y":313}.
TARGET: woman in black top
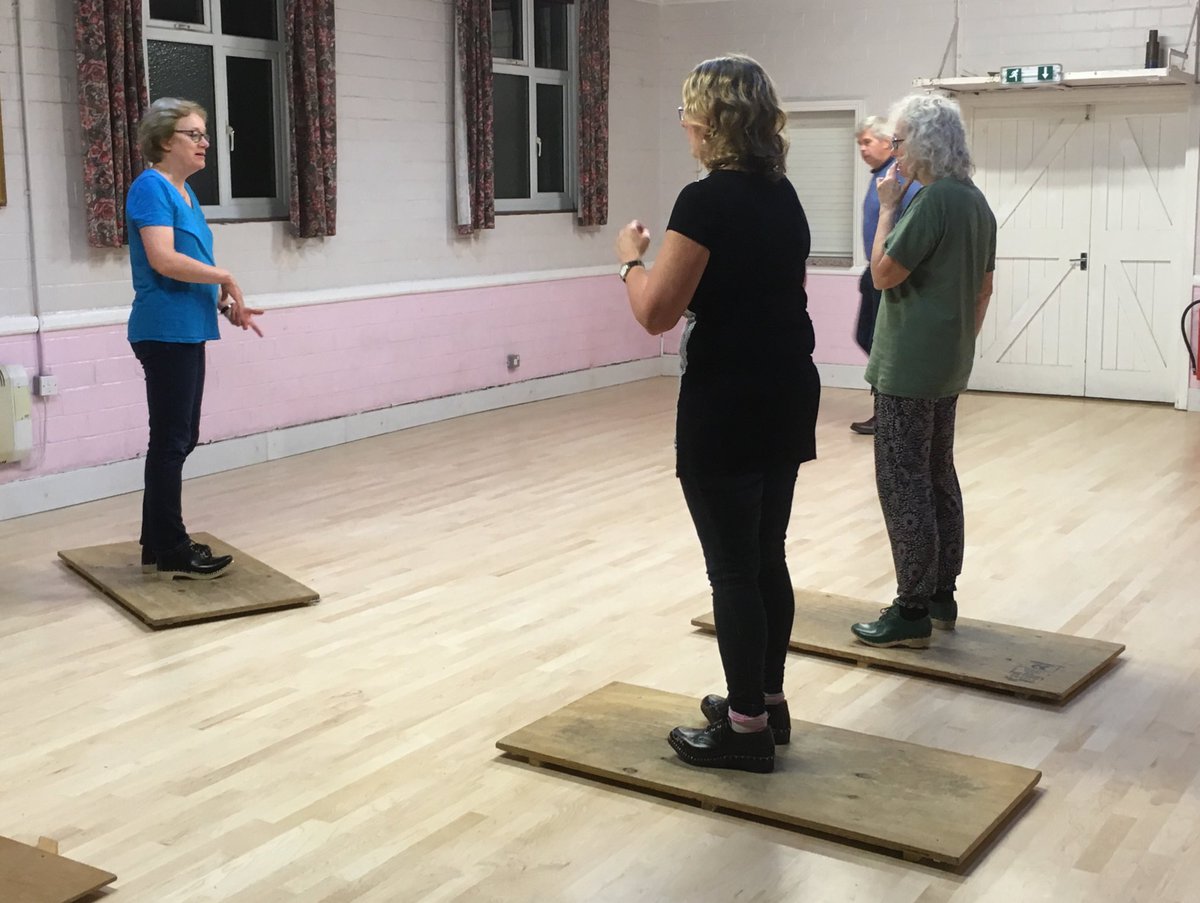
{"x":732,"y":263}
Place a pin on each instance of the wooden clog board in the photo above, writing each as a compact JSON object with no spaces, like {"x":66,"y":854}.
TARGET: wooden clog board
{"x":924,"y":803}
{"x":249,"y":586}
{"x":1037,"y":664}
{"x":30,"y":875}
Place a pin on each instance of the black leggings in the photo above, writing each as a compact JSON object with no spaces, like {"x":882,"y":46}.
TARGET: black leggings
{"x":742,"y":520}
{"x":174,"y":391}
{"x":919,"y":493}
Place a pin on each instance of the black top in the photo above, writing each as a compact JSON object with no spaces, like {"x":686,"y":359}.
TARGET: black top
{"x":749,"y":393}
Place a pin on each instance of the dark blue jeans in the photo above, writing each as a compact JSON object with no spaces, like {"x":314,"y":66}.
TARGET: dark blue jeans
{"x":742,"y":521}
{"x":174,"y":389}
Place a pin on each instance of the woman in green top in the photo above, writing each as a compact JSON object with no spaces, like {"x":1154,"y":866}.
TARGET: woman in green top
{"x":934,"y":265}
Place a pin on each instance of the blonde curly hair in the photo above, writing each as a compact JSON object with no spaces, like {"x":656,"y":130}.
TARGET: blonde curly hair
{"x":735,"y":98}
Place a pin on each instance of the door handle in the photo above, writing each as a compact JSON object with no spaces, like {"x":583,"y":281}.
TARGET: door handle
{"x":1081,"y":260}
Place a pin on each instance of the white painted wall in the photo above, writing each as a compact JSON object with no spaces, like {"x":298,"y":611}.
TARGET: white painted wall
{"x":394,"y":141}
{"x":873,"y":49}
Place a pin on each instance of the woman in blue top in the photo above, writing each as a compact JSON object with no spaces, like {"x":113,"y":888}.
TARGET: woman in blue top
{"x":174,"y":313}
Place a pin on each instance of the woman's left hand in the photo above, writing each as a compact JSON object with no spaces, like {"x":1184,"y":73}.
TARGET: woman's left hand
{"x":632,"y":242}
{"x":237,"y":312}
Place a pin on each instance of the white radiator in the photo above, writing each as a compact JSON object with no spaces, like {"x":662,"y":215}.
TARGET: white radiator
{"x":16,"y":425}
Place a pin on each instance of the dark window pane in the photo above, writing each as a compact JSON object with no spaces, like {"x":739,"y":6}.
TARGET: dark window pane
{"x":506,"y":30}
{"x":252,"y":118}
{"x":549,"y":34}
{"x":186,"y":71}
{"x":190,"y":11}
{"x":512,"y":136}
{"x":551,"y":167}
{"x":250,"y":19}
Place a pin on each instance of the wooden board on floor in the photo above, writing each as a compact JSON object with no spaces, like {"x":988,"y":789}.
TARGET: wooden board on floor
{"x":1038,"y":664}
{"x":927,"y":804}
{"x":249,"y":587}
{"x":30,"y":875}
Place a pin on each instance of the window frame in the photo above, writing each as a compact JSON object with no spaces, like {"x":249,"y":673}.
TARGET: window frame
{"x":858,"y":108}
{"x":547,"y":201}
{"x":224,"y":46}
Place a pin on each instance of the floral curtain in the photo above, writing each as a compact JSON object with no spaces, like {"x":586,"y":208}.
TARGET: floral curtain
{"x":593,"y":112}
{"x":474,"y":181}
{"x":312,"y":104}
{"x":112,"y":101}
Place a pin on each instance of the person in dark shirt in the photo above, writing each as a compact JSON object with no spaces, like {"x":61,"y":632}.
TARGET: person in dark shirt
{"x":732,"y":263}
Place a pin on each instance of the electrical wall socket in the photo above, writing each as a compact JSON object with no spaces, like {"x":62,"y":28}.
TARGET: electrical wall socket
{"x":514,"y":361}
{"x":45,"y":385}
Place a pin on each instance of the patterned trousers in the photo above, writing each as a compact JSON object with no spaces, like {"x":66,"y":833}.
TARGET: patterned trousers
{"x":919,"y":493}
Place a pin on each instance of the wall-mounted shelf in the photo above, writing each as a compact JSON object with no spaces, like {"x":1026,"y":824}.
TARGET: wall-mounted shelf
{"x":1104,"y":78}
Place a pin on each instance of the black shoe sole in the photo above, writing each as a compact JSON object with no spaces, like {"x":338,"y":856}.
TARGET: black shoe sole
{"x":190,"y":575}
{"x":754,"y":764}
{"x":916,"y":642}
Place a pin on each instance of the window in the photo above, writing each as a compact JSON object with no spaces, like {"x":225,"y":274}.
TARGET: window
{"x":227,"y":56}
{"x":534,"y":67}
{"x":821,"y":165}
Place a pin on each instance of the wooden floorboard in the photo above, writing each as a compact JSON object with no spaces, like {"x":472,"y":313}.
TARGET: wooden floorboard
{"x":480,"y":573}
{"x":926,"y":804}
{"x":30,"y":875}
{"x":1035,"y":664}
{"x":248,"y":587}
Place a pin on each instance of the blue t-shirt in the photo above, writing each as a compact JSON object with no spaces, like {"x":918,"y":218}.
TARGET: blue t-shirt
{"x":167,"y":310}
{"x":871,"y":205}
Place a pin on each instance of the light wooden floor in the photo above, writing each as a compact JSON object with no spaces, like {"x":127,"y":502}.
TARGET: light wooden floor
{"x":478,"y":573}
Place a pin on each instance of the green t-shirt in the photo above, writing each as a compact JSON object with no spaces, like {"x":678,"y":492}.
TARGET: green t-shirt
{"x":924,"y":341}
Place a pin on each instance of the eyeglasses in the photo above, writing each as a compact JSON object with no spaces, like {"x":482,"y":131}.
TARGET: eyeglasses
{"x":896,"y":142}
{"x":197,"y":136}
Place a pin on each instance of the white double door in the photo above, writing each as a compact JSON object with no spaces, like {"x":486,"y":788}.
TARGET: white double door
{"x":1092,"y":248}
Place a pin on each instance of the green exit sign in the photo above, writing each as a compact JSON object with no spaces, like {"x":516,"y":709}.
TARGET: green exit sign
{"x":1031,"y":75}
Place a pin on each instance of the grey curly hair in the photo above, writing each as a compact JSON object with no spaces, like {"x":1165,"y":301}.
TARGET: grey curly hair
{"x":936,"y":142}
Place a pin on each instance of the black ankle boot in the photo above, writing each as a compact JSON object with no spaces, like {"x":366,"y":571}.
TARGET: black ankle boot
{"x":720,"y":746}
{"x":191,"y":561}
{"x":716,"y":708}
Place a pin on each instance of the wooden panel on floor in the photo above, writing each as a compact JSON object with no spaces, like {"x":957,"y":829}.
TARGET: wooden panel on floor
{"x":248,"y":588}
{"x":924,"y":803}
{"x":1037,"y":664}
{"x":30,"y":875}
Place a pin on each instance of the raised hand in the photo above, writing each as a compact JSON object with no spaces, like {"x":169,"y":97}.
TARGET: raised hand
{"x":632,"y":241}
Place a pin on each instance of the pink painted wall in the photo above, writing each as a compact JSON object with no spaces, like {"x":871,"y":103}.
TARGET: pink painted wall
{"x":327,"y":361}
{"x":833,"y":305}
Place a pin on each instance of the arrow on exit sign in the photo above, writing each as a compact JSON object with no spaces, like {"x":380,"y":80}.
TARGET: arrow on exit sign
{"x":1032,"y":75}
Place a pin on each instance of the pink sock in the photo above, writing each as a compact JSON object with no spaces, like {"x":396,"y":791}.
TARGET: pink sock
{"x":747,"y":724}
{"x":773,"y":698}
